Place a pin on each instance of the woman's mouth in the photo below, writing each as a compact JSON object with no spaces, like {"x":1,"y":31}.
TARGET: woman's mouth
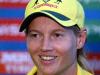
{"x":47,"y":58}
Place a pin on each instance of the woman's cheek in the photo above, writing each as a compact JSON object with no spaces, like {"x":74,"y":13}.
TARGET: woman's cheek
{"x":32,"y":47}
{"x":63,"y":44}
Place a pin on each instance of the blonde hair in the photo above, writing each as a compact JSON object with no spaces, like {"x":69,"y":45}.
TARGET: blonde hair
{"x":81,"y":55}
{"x":83,"y":61}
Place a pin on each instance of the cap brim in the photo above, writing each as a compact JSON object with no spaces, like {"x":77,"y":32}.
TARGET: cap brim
{"x":61,"y":19}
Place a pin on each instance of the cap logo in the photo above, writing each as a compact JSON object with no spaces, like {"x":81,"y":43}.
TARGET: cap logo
{"x":46,"y":1}
{"x":58,"y":1}
{"x":36,"y":2}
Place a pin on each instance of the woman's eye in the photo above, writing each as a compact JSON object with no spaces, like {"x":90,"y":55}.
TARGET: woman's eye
{"x":58,"y":35}
{"x":34,"y":35}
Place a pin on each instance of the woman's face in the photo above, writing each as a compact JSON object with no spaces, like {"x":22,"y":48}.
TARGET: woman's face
{"x":52,"y":47}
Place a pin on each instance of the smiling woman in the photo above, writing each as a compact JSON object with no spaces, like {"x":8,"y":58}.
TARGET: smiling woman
{"x":50,"y":45}
{"x":55,"y":40}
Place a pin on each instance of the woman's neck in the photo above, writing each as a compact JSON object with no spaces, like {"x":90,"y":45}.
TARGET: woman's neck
{"x":72,"y":70}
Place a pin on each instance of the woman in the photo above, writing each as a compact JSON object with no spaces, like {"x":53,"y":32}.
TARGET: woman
{"x":55,"y":36}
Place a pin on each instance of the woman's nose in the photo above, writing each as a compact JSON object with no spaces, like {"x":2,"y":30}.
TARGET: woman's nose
{"x":47,"y":45}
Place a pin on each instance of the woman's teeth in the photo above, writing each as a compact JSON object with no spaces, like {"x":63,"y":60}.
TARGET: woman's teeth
{"x":47,"y":58}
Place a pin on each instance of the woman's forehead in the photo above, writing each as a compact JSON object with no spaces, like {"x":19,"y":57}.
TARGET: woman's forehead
{"x":43,"y":22}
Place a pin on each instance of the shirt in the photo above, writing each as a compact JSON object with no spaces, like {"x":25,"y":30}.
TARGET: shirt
{"x":80,"y":71}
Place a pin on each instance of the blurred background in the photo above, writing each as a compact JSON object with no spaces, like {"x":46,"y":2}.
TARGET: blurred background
{"x":14,"y":59}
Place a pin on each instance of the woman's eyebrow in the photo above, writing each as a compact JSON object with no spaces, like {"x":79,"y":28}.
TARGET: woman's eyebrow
{"x":61,"y":30}
{"x":33,"y":30}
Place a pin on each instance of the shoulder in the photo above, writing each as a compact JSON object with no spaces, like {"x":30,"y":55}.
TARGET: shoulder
{"x":82,"y":71}
{"x":33,"y":71}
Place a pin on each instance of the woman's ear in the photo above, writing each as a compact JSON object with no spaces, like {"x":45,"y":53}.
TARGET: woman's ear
{"x":81,"y":38}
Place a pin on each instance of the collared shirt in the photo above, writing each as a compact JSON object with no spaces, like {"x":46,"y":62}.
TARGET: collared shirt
{"x":80,"y":71}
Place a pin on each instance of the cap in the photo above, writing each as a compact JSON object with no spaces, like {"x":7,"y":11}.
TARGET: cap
{"x":65,"y":12}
